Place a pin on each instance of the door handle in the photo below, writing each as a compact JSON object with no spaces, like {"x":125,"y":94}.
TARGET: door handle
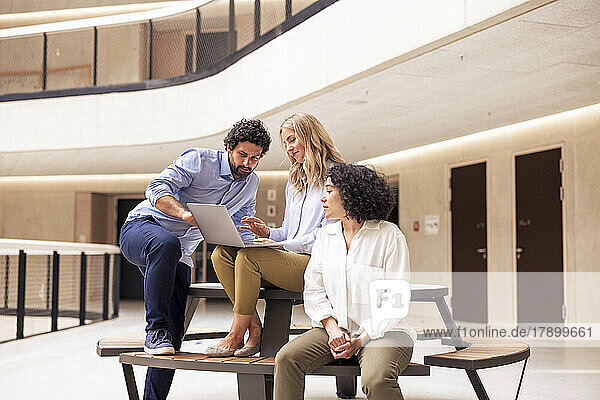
{"x":519,"y":251}
{"x":482,"y":251}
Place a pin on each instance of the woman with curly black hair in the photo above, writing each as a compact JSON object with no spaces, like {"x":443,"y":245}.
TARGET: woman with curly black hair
{"x":242,"y":271}
{"x":346,"y":257}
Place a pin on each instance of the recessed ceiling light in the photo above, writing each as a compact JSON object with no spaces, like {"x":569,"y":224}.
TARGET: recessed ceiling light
{"x":356,"y":102}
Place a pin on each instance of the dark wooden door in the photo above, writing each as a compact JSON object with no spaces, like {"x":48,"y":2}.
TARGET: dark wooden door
{"x":469,"y":242}
{"x":539,"y":250}
{"x":132,"y":282}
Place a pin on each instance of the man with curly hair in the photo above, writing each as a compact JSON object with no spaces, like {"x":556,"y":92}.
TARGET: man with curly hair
{"x":160,"y":233}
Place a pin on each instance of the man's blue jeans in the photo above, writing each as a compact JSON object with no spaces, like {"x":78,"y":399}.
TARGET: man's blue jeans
{"x":156,"y":252}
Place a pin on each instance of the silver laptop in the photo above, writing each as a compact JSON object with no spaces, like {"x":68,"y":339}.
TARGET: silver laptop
{"x":217,"y":227}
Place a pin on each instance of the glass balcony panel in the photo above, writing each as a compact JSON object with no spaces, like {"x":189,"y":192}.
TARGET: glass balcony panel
{"x":272,"y":13}
{"x":70,"y":59}
{"x":21,"y":64}
{"x":299,"y":5}
{"x":244,"y":23}
{"x":216,"y":42}
{"x":122,"y":54}
{"x":173,"y":45}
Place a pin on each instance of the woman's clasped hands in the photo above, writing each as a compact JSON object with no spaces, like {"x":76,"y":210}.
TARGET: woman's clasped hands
{"x":340,"y":344}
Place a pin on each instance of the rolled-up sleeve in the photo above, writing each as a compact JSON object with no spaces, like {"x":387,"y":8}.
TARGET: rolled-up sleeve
{"x":396,"y":266}
{"x":316,"y":303}
{"x":177,"y":175}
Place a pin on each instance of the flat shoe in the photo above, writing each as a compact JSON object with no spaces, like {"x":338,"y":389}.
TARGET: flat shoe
{"x":219,"y":352}
{"x":247,"y":351}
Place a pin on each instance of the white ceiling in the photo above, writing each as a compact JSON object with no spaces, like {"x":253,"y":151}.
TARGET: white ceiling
{"x":541,"y":63}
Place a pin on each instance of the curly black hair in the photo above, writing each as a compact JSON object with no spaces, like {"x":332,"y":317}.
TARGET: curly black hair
{"x":252,"y":130}
{"x":365,"y":193}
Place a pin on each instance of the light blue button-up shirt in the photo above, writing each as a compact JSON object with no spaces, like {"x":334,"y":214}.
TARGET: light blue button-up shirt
{"x":199,"y":176}
{"x":304,"y":216}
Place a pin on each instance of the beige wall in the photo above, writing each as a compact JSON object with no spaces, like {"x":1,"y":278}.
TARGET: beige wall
{"x":424,"y":183}
{"x":65,"y":208}
{"x":84,"y":209}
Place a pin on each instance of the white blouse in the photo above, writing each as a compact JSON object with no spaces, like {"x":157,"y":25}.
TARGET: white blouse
{"x":336,"y":283}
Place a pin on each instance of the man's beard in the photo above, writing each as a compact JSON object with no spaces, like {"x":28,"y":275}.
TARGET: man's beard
{"x":239,"y":170}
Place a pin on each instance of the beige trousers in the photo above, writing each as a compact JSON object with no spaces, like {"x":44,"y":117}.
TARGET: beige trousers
{"x":381,"y":361}
{"x":240,"y":271}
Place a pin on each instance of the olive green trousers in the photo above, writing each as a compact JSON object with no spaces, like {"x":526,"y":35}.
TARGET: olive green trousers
{"x":243,"y":271}
{"x":381,"y":361}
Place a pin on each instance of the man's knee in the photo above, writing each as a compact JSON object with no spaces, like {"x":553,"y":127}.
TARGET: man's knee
{"x":166,"y":246}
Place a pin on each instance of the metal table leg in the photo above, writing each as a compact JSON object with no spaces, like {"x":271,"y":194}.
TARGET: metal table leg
{"x":190,"y":309}
{"x":276,"y":333}
{"x":130,"y":382}
{"x":444,"y":311}
{"x":346,"y":387}
{"x":459,"y":344}
{"x":521,"y":380}
{"x":477,"y":385}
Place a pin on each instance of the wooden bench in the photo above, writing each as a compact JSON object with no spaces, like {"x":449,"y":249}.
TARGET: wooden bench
{"x":134,"y":342}
{"x":254,"y":375}
{"x":247,"y":368}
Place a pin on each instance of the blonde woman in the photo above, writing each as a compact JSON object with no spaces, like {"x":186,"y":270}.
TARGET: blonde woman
{"x":310,"y":151}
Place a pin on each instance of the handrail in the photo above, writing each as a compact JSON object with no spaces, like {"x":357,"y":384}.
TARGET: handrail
{"x":41,"y":247}
{"x":138,"y":16}
{"x":208,"y":55}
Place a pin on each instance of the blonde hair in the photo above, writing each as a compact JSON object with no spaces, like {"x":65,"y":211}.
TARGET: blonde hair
{"x":318,"y":148}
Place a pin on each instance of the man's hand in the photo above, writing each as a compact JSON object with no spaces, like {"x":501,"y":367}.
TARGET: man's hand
{"x":172,"y":207}
{"x":256,"y":226}
{"x":189,"y":218}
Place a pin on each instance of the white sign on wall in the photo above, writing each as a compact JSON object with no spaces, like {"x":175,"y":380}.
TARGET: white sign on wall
{"x":432,"y":224}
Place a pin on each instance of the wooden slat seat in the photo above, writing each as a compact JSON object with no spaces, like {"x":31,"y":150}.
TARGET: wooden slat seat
{"x":244,"y":365}
{"x":134,"y":342}
{"x":482,"y":353}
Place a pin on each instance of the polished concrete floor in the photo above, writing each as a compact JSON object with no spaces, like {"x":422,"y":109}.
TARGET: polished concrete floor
{"x":64,"y":365}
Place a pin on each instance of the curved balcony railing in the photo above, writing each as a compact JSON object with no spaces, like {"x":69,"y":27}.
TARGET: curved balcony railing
{"x":48,"y":286}
{"x":145,"y":54}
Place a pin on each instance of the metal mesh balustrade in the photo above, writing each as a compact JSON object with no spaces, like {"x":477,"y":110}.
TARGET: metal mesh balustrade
{"x":70,"y":59}
{"x":94,"y":287}
{"x":272,"y":14}
{"x":125,"y":45}
{"x":215,"y":40}
{"x":299,"y":5}
{"x":40,"y":293}
{"x":8,"y":299}
{"x":68,"y":292}
{"x":37,"y":300}
{"x":203,"y":40}
{"x":173,"y":45}
{"x":21,"y":64}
